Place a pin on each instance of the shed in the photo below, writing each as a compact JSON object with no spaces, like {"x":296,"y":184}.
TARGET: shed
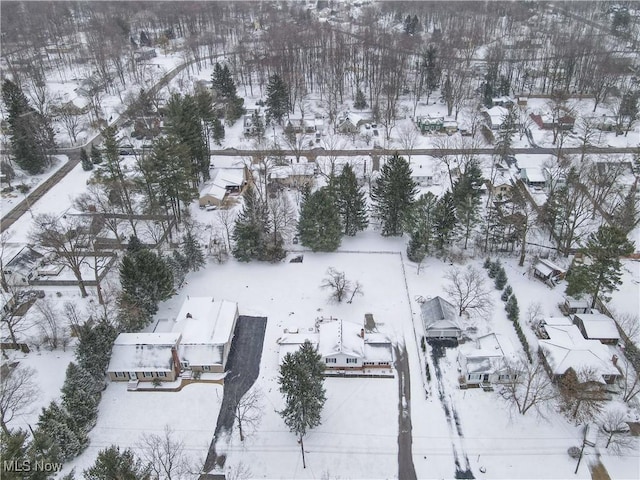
{"x":548,"y":272}
{"x":440,"y":319}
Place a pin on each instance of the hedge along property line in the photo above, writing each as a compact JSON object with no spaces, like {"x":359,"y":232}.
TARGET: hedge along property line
{"x":496,"y":272}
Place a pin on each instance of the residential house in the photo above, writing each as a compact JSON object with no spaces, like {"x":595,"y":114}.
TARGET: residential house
{"x":145,"y":357}
{"x":567,"y":349}
{"x":548,"y":122}
{"x":503,"y":101}
{"x":572,"y":305}
{"x":490,"y":359}
{"x":501,"y":186}
{"x":206,"y":328}
{"x":450,"y":127}
{"x":223,"y":182}
{"x":597,"y":326}
{"x":425,"y":172}
{"x":548,"y":272}
{"x":440,"y":319}
{"x":295,"y":175}
{"x":348,"y":124}
{"x":143,"y":54}
{"x":343,"y":345}
{"x":20,"y":264}
{"x":541,"y":329}
{"x":533,"y":177}
{"x":495,"y":117}
{"x":429,"y":124}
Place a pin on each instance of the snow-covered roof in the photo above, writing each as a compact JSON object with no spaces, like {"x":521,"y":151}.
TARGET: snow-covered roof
{"x":598,"y":326}
{"x":497,"y":114}
{"x":533,"y":174}
{"x":340,"y":336}
{"x":143,"y":352}
{"x":225,"y":161}
{"x":488,"y":354}
{"x":205,"y":321}
{"x":567,"y":348}
{"x":305,"y":169}
{"x":221,"y":179}
{"x":20,"y":258}
{"x":577,"y":302}
{"x":439,"y":314}
{"x":557,"y":321}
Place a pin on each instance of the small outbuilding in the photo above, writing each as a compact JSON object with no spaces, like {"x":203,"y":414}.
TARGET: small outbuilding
{"x":597,"y":326}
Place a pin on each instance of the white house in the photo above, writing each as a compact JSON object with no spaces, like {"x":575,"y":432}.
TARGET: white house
{"x":343,"y":345}
{"x":206,"y":328}
{"x":440,"y":319}
{"x":496,"y":116}
{"x":490,"y":359}
{"x":223,"y":182}
{"x":144,"y":357}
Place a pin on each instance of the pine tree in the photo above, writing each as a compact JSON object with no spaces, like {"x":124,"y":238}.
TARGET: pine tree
{"x":251,"y":229}
{"x":501,"y":279}
{"x":393,"y":195}
{"x":258,"y":124}
{"x":145,"y":278}
{"x":627,"y":214}
{"x":494,"y":268}
{"x":84,"y":160}
{"x":466,"y":196}
{"x":602,"y":275}
{"x":351,"y":202}
{"x":56,"y":423}
{"x":444,"y":220}
{"x":319,"y":225}
{"x":301,"y":382}
{"x":80,"y":379}
{"x":504,"y":138}
{"x":487,"y":263}
{"x":421,"y":227}
{"x":218,"y":131}
{"x":94,"y":347}
{"x":178,"y":265}
{"x":192,"y":252}
{"x":80,"y":396}
{"x":513,"y":311}
{"x":112,"y":464}
{"x":278,"y":102}
{"x":32,"y":137}
{"x":42,"y":450}
{"x":506,"y":293}
{"x":360,"y":100}
{"x":13,"y":450}
{"x":96,"y":155}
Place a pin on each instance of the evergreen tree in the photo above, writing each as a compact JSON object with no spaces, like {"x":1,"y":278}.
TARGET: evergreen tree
{"x":56,"y":423}
{"x":444,"y":220}
{"x":94,"y":348}
{"x":192,"y":252}
{"x":146,"y":279}
{"x":421,"y":226}
{"x":278,"y":102}
{"x":301,"y":382}
{"x":466,"y":196}
{"x":393,"y":195}
{"x":85,"y":161}
{"x":42,"y":450}
{"x":96,"y":155}
{"x":494,"y":268}
{"x":112,"y":464}
{"x":506,"y":293}
{"x":501,"y":279}
{"x":178,"y":265}
{"x":513,"y":311}
{"x":627,"y":214}
{"x":13,"y":450}
{"x":134,"y":245}
{"x":258,"y":124}
{"x":351,"y":202}
{"x":602,"y":275}
{"x":504,"y":138}
{"x":251,"y":229}
{"x":218,"y":131}
{"x":32,"y":137}
{"x":319,"y":226}
{"x":360,"y":100}
{"x":222,"y":83}
{"x":487,"y":263}
{"x":80,"y":396}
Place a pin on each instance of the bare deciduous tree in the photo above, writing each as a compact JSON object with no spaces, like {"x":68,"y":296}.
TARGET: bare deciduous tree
{"x":17,"y":393}
{"x":582,"y":394}
{"x":535,"y":313}
{"x":239,"y":471}
{"x":407,"y":138}
{"x":467,"y":289}
{"x":614,"y":427}
{"x":164,"y":455}
{"x":530,"y":387}
{"x":248,"y":412}
{"x":339,"y":285}
{"x":54,"y":334}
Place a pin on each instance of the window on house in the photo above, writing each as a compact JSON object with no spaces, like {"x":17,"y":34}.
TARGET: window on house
{"x":184,"y":364}
{"x":162,"y":374}
{"x":330,"y":360}
{"x":120,"y":375}
{"x":504,"y":377}
{"x":474,"y":376}
{"x":352,"y":360}
{"x":368,"y":363}
{"x":206,"y":368}
{"x":148,"y":374}
{"x":383,"y":363}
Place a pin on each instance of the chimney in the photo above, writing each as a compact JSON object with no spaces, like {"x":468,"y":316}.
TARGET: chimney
{"x":362,"y":333}
{"x":614,"y":359}
{"x":176,"y":361}
{"x":189,"y":315}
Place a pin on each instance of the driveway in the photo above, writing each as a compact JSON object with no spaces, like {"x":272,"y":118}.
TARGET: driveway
{"x":242,"y":370}
{"x":406,"y":469}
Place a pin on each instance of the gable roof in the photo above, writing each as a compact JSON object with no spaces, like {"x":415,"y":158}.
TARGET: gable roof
{"x":221,"y":179}
{"x":439,"y":314}
{"x":488,"y":354}
{"x":205,"y":321}
{"x":143,"y":352}
{"x":340,"y":336}
{"x":598,"y":326}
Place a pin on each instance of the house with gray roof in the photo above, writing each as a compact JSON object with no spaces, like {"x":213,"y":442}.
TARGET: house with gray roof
{"x":440,"y":319}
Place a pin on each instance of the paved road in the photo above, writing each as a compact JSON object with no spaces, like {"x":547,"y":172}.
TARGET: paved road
{"x":243,"y":366}
{"x":406,"y":469}
{"x":462,"y":466}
